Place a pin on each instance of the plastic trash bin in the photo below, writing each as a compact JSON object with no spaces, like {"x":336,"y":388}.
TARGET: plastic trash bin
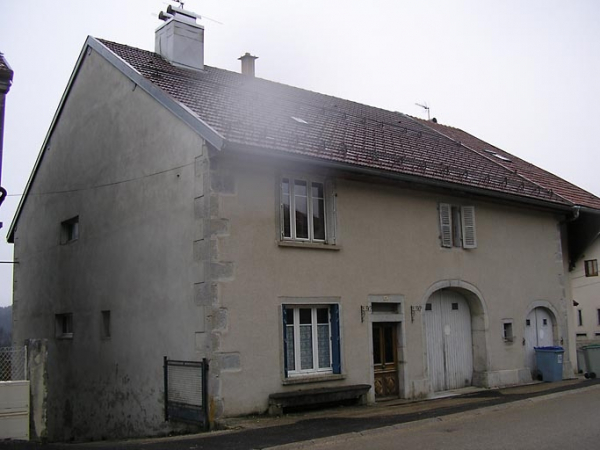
{"x":591,"y":355}
{"x":550,"y":362}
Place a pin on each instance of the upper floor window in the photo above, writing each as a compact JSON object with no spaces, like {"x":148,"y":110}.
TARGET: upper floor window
{"x":591,"y":268}
{"x":306,"y":211}
{"x":457,"y":226}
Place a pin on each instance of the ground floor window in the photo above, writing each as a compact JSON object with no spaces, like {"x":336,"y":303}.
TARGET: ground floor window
{"x":311,"y":336}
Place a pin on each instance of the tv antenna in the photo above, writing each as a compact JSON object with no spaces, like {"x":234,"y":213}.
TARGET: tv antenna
{"x":425,"y":106}
{"x":181,"y":4}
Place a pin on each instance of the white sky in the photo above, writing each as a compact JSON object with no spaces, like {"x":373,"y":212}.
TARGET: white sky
{"x":522,"y":75}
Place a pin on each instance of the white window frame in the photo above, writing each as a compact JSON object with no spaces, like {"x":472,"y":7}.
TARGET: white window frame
{"x":591,"y":267}
{"x":328,"y":210}
{"x":457,"y":226}
{"x":315,"y":341}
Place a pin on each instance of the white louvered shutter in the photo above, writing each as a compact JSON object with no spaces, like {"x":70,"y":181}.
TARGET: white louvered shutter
{"x":468,"y":227}
{"x":446,"y":224}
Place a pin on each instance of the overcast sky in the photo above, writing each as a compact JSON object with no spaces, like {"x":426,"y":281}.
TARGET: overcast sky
{"x":523,"y":75}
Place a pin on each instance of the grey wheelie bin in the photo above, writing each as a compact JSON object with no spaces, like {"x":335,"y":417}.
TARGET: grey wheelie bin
{"x":591,"y":355}
{"x":549,"y":362}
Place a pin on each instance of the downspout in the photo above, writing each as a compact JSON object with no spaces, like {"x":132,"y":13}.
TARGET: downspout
{"x":6,"y":76}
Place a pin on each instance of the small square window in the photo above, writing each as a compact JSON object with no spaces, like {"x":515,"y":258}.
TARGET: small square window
{"x":428,"y":306}
{"x":591,"y":268}
{"x":64,"y":326}
{"x":105,"y":325}
{"x":454,"y":306}
{"x":545,"y":322}
{"x":69,"y":230}
{"x":527,"y":322}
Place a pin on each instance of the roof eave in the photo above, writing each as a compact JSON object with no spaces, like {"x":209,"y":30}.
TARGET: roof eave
{"x":413,"y":179}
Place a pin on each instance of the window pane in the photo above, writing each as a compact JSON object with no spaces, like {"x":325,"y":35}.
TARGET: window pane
{"x":289,"y":316}
{"x":305,"y":316}
{"x":301,"y":213}
{"x":317,"y":190}
{"x":291,"y":356}
{"x":285,"y":200}
{"x":324,"y":352}
{"x":389,"y":344}
{"x":318,"y":219}
{"x":306,"y":347}
{"x":376,"y":345}
{"x":323,"y":315}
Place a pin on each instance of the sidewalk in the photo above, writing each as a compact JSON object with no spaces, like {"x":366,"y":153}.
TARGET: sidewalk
{"x":260,"y":432}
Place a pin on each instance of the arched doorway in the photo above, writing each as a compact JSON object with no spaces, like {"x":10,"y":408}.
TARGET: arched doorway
{"x":449,"y":338}
{"x":539,"y":332}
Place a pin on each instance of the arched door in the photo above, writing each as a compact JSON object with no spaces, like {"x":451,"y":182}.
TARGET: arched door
{"x":449,"y":340}
{"x":538,"y":333}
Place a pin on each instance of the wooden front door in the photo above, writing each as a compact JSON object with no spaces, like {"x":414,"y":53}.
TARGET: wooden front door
{"x":385,"y":360}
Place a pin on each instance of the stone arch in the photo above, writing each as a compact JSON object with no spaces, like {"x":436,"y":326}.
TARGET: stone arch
{"x":479,"y":324}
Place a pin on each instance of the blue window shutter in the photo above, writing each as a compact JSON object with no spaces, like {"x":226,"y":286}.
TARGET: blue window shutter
{"x":285,"y":367}
{"x":335,"y":339}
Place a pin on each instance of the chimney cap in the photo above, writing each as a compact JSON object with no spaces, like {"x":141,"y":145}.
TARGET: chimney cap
{"x":247,"y":56}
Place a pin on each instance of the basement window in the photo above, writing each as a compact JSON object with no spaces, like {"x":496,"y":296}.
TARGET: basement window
{"x":69,"y":230}
{"x":64,"y":326}
{"x":591,"y":268}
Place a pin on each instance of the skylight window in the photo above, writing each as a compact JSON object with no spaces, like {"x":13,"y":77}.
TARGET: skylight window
{"x":299,"y":120}
{"x":497,"y":155}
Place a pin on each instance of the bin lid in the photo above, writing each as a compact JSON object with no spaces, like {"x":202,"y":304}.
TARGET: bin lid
{"x":550,"y":349}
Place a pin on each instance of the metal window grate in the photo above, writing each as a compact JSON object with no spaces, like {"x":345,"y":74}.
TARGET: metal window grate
{"x":13,"y":363}
{"x":186,"y":391}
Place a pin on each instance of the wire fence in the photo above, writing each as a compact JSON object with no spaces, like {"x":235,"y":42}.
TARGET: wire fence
{"x":13,"y":363}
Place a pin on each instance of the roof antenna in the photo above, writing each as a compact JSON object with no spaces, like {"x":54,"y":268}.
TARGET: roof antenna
{"x":426,"y":107}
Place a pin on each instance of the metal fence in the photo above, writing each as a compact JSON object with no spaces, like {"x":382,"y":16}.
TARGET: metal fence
{"x":186,"y":388}
{"x":13,"y":363}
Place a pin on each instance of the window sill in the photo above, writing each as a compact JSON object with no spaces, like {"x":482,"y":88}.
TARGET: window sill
{"x":313,"y":379}
{"x":299,"y":244}
{"x":65,"y":337}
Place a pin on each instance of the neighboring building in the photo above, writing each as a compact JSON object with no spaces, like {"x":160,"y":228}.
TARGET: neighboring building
{"x":585,"y":280}
{"x":294,"y":239}
{"x":6,"y":76}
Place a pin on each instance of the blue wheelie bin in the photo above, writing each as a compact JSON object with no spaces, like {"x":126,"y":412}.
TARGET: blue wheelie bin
{"x":549,"y":362}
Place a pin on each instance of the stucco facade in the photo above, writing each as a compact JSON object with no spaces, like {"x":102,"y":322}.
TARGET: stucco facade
{"x":180,"y":249}
{"x":586,"y":293}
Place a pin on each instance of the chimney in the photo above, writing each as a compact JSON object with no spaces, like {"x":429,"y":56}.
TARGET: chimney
{"x":248,"y":64}
{"x":180,"y":40}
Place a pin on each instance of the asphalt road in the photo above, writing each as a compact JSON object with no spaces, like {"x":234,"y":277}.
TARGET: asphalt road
{"x":561,"y":421}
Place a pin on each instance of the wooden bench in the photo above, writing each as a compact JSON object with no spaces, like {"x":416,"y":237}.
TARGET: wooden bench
{"x":316,"y":397}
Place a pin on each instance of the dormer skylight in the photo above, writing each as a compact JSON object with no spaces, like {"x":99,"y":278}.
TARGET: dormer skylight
{"x":497,"y":155}
{"x":299,"y":120}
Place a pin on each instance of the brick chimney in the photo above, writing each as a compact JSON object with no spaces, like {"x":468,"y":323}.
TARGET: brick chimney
{"x":180,"y":40}
{"x":248,"y":64}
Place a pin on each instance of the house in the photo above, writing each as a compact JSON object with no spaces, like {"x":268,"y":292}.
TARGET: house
{"x":295,"y":240}
{"x":586,"y":295}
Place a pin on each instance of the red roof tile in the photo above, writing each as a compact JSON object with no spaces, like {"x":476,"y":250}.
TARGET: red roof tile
{"x":256,"y":112}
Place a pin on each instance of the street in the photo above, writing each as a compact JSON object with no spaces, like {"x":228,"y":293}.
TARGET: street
{"x":561,"y":421}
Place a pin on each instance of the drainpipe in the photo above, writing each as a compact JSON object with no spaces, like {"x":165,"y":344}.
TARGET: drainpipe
{"x":6,"y":76}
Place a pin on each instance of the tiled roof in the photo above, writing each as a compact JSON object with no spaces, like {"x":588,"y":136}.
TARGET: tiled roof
{"x":542,"y":178}
{"x":254,"y":112}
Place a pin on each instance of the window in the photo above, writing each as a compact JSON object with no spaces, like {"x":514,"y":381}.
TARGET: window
{"x":591,"y":268}
{"x":507,"y":331}
{"x":69,"y":230}
{"x":306,"y":213}
{"x":105,"y":326}
{"x":64,"y":326}
{"x":311,"y":337}
{"x":598,"y":312}
{"x":579,"y":318}
{"x":457,"y":226}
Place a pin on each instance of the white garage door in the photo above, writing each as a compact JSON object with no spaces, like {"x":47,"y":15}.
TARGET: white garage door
{"x":449,"y":341}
